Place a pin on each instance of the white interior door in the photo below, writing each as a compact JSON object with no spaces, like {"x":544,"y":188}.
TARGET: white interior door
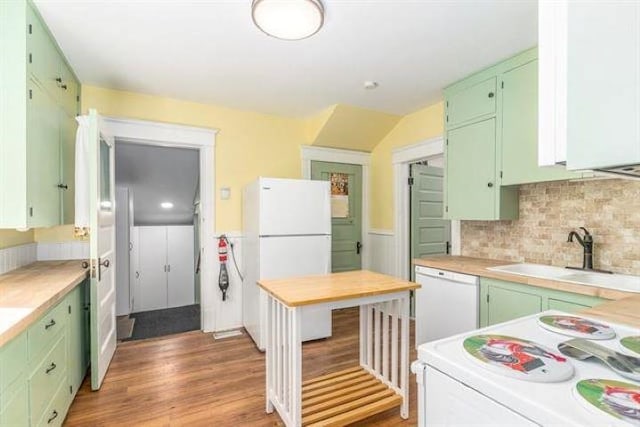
{"x":180,"y":266}
{"x":102,"y":248}
{"x":152,"y":268}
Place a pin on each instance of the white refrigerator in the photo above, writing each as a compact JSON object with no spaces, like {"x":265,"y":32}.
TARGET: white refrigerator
{"x":287,"y":233}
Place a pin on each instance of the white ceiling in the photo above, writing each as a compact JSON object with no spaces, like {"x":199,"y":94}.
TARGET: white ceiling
{"x":158,"y":174}
{"x":210,"y":51}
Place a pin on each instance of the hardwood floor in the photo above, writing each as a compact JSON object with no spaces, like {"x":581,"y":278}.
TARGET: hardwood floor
{"x":190,"y":379}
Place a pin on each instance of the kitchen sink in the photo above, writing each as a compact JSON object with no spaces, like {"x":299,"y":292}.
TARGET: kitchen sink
{"x":620,"y":282}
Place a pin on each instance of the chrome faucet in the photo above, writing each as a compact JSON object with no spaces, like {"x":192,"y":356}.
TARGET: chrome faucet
{"x":587,"y":245}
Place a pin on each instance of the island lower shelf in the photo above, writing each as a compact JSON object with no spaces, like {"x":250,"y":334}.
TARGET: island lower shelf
{"x":345,"y":397}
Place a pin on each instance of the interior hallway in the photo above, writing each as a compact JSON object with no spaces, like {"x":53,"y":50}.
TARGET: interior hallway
{"x":190,"y":379}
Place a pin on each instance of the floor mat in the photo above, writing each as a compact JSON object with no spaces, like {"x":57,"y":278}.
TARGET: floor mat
{"x":157,"y":323}
{"x":124,"y":327}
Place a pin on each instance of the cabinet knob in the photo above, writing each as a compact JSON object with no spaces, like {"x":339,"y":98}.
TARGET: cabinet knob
{"x":491,"y":94}
{"x":489,"y":184}
{"x":59,"y":79}
{"x":63,"y":186}
{"x":53,"y":416}
{"x":63,"y":87}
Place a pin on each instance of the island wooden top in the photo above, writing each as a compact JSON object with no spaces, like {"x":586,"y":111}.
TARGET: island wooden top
{"x":28,"y":292}
{"x":307,"y":290}
{"x":478,"y":267}
{"x":625,"y":311}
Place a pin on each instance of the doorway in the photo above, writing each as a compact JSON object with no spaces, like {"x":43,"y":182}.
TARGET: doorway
{"x":346,"y":212}
{"x":157,"y":196}
{"x":430,"y":234}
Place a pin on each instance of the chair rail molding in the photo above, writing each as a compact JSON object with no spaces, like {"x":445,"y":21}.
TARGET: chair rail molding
{"x":336,"y":155}
{"x":401,"y":158}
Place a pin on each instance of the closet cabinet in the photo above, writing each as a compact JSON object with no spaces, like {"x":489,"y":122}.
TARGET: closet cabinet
{"x":165,"y":267}
{"x":39,"y":99}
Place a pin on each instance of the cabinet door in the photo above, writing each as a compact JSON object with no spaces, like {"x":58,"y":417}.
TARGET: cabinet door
{"x":152,"y":264}
{"x":507,"y":304}
{"x":42,"y":55}
{"x":180,"y":266}
{"x":562,"y":305}
{"x":520,"y":129}
{"x":14,"y":406}
{"x":69,"y":89}
{"x":470,"y":178}
{"x":68,"y":127}
{"x":77,"y":361}
{"x":43,"y":159}
{"x":472,"y":102}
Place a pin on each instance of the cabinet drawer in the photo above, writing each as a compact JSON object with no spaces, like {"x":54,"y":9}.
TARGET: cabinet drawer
{"x":55,"y":412}
{"x":43,"y":332}
{"x":14,"y":406}
{"x":472,"y":102}
{"x":13,"y":360}
{"x":47,"y":376}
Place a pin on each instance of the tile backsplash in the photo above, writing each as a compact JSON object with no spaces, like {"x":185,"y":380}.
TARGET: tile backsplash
{"x":608,"y":208}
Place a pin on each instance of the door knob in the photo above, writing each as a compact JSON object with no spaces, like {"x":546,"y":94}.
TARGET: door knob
{"x":358,"y":247}
{"x":102,"y":263}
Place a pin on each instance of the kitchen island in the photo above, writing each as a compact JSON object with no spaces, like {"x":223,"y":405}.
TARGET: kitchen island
{"x":379,"y":383}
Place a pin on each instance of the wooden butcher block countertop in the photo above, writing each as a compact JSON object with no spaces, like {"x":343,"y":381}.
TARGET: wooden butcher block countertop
{"x":625,"y":307}
{"x":28,"y":292}
{"x":478,"y":267}
{"x":306,"y":290}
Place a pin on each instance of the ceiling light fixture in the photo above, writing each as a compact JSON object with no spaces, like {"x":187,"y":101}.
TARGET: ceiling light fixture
{"x":288,"y":19}
{"x":166,"y":205}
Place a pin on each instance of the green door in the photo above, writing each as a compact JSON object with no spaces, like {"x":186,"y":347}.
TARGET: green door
{"x":471,"y":170}
{"x":346,"y":212}
{"x":430,"y":234}
{"x":520,"y":129}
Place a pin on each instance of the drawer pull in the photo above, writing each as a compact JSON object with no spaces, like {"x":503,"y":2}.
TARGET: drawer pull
{"x":53,"y":416}
{"x":50,"y":324}
{"x":50,"y":368}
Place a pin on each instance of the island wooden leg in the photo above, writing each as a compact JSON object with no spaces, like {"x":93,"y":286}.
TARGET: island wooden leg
{"x":284,"y":362}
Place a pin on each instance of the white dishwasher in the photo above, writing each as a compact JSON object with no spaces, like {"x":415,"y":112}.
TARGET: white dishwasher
{"x":446,"y":304}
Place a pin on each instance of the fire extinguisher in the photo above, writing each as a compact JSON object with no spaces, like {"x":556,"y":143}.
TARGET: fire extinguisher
{"x":223,"y":278}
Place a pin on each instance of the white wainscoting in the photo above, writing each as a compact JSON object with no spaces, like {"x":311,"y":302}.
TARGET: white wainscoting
{"x":228,"y":314}
{"x":382,"y":256}
{"x":17,"y":256}
{"x":55,"y":251}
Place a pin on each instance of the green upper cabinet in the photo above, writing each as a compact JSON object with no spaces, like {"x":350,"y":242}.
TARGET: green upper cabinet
{"x":39,"y":99}
{"x":520,"y":129}
{"x":493,"y":115}
{"x":471,"y":102}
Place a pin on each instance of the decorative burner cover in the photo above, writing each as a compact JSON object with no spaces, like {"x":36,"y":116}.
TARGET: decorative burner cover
{"x":518,"y":358}
{"x":616,"y":398}
{"x":579,"y":327}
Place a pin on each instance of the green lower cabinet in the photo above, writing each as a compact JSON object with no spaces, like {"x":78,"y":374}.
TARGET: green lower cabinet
{"x":42,"y":369}
{"x":14,"y":406}
{"x":502,"y":301}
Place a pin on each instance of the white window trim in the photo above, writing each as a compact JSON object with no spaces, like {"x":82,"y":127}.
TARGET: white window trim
{"x":202,"y":139}
{"x":401,"y":158}
{"x":335,"y":155}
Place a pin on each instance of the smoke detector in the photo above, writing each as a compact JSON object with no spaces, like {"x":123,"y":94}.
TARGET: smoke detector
{"x":370,"y":84}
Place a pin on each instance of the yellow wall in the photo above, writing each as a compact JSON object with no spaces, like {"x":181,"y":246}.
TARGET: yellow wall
{"x":10,"y":238}
{"x":415,"y":127}
{"x":248,"y":144}
{"x":251,"y":144}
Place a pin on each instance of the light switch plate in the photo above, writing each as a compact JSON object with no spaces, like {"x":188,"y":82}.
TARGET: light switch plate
{"x":225,"y":193}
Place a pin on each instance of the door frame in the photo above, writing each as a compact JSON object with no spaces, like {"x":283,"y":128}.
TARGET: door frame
{"x":204,"y":140}
{"x":336,"y":155}
{"x":402,"y":158}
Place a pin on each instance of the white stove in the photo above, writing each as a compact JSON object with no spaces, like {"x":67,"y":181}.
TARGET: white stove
{"x":454,"y":388}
